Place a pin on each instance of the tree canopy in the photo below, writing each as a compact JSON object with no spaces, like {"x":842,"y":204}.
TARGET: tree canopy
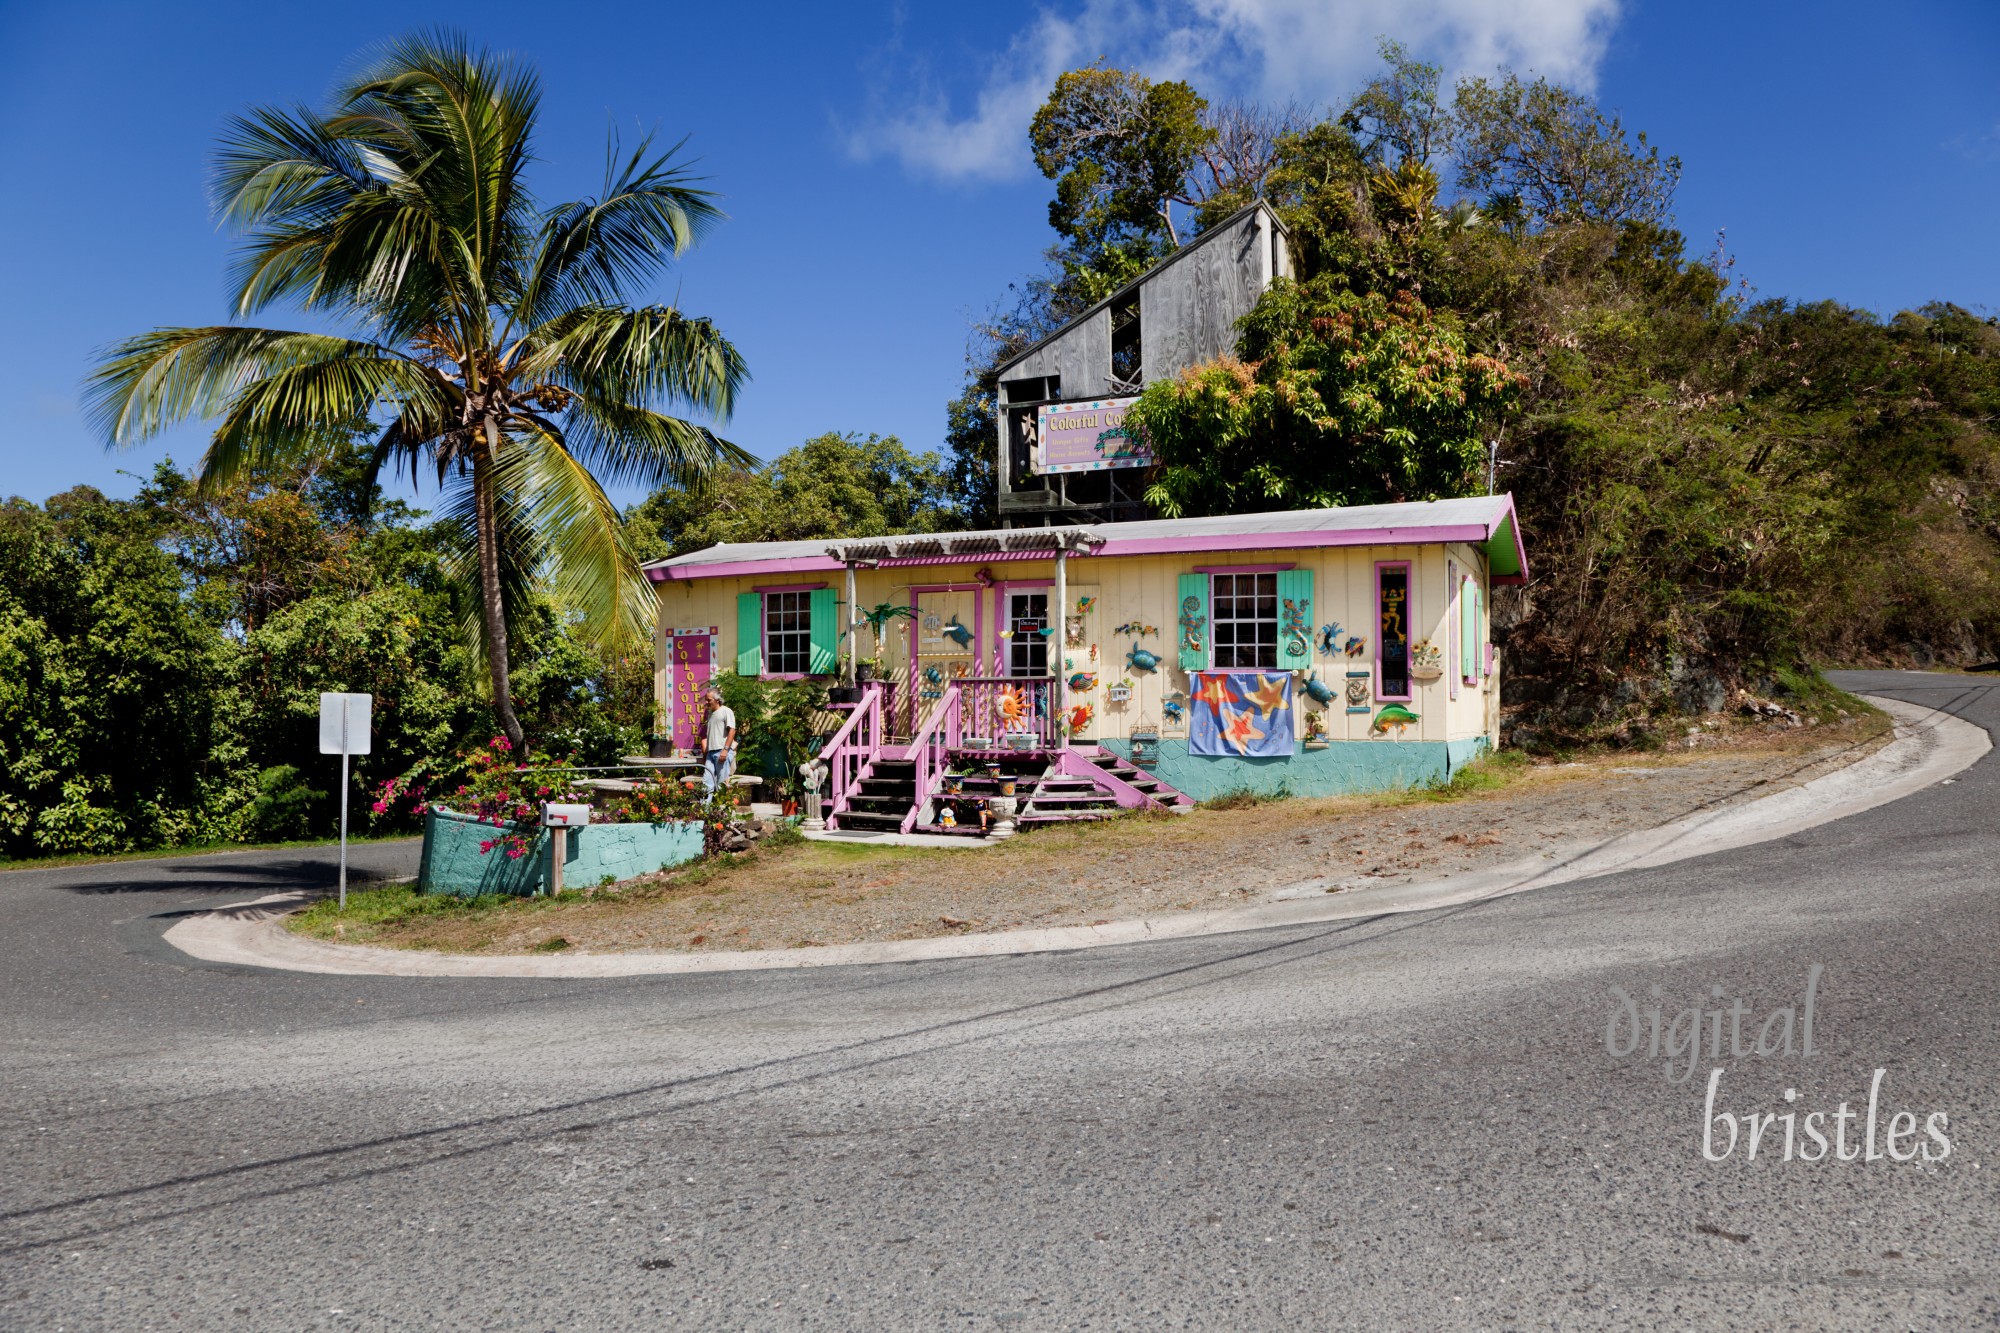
{"x":491,"y":332}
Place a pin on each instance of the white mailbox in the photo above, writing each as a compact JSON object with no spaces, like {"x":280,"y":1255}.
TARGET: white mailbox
{"x":565,"y":816}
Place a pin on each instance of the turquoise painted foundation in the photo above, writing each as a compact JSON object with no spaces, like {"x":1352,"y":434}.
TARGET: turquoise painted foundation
{"x":1343,"y":768}
{"x":453,"y":864}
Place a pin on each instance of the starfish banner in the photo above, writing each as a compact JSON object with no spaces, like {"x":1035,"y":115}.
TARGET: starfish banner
{"x":1247,"y":714}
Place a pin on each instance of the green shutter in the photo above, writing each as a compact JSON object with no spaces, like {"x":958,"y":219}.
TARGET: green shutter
{"x":1191,"y":627}
{"x":749,"y":634}
{"x":825,"y":633}
{"x":1468,"y":631}
{"x":1295,"y":619}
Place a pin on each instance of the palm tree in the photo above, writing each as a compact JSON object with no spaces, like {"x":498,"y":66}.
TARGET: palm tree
{"x":489,"y":333}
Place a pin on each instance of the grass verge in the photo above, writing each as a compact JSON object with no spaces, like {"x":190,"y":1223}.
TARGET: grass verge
{"x":205,"y":849}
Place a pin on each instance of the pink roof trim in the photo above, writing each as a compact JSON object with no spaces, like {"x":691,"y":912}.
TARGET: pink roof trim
{"x":1192,"y":544}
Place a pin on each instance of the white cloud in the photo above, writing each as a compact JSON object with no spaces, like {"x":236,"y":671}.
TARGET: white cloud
{"x":1315,"y":51}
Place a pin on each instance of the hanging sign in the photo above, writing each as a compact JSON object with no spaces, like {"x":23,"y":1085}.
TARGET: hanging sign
{"x":1087,"y":437}
{"x":689,"y":666}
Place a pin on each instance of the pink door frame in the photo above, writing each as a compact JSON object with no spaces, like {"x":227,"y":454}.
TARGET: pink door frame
{"x":978,"y":622}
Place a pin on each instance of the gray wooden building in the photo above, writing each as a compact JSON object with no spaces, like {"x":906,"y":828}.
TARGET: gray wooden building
{"x":1177,"y":314}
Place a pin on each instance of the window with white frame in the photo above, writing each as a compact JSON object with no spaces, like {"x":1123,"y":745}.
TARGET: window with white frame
{"x":1244,"y":610}
{"x":787,"y":633}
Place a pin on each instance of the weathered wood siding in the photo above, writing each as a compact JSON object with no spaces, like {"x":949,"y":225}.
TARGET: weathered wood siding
{"x":1082,"y":356}
{"x":1188,"y":309}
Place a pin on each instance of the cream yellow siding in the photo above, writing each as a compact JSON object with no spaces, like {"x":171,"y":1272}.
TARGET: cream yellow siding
{"x":1144,"y":589}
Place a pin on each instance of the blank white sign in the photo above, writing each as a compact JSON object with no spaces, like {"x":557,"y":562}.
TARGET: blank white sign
{"x":343,"y":723}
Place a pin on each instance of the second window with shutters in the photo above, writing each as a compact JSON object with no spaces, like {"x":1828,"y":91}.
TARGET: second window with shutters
{"x":787,"y":633}
{"x":1244,"y":612}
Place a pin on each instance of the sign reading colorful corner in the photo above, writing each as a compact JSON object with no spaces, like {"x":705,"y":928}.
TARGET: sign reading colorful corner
{"x":1245,"y":713}
{"x":1088,"y":437}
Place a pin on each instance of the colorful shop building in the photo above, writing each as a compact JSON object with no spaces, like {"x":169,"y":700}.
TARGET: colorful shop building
{"x":1156,"y":662}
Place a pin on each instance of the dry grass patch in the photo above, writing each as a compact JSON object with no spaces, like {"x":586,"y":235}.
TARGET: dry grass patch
{"x":806,"y":894}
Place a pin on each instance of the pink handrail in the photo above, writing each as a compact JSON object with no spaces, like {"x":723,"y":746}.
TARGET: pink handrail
{"x":998,"y":706}
{"x":930,"y":749}
{"x":853,"y":748}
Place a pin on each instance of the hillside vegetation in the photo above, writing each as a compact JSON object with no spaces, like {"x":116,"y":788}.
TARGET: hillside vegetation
{"x":1719,"y":490}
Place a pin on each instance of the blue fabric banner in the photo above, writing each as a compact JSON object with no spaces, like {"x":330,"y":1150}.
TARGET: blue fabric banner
{"x":1242,"y":713}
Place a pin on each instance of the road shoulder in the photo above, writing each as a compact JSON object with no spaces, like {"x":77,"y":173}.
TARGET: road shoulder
{"x":1929,"y":747}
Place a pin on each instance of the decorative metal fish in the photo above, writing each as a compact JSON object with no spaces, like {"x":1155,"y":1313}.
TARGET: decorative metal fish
{"x":1393,"y":715}
{"x":1143,"y":660}
{"x":1083,"y":680}
{"x":1356,"y":645}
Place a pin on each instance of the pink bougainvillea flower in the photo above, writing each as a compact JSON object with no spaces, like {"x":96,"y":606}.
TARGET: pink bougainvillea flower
{"x":485,"y":846}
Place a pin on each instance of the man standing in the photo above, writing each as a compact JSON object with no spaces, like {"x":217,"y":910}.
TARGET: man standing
{"x":718,"y":743}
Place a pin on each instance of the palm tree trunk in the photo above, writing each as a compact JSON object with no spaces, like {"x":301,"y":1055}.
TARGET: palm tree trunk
{"x":486,"y":522}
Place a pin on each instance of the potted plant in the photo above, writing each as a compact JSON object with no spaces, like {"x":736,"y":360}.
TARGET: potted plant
{"x":1426,"y":660}
{"x":867,"y":669}
{"x":879,"y":617}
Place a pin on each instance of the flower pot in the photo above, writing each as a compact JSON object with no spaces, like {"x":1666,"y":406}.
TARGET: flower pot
{"x":1007,"y":785}
{"x":843,"y":694}
{"x":976,"y":742}
{"x":866,"y":671}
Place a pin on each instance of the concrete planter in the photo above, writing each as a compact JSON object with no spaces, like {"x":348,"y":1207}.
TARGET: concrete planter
{"x":453,"y":864}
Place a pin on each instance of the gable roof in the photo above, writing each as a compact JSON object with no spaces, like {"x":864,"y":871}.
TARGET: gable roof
{"x":1484,"y":520}
{"x":1194,"y":244}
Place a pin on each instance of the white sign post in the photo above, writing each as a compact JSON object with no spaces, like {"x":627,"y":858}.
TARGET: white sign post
{"x":343,"y":730}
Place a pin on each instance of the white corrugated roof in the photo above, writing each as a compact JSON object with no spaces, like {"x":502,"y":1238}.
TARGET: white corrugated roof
{"x":1490,"y":512}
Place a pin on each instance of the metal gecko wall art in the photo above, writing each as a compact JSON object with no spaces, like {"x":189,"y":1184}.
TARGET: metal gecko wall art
{"x":1192,"y":625}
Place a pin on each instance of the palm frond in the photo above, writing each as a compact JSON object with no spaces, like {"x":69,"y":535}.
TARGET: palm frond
{"x":271,"y":419}
{"x":655,"y":357}
{"x":590,"y":567}
{"x":592,"y":251}
{"x":157,"y":379}
{"x":635,"y":445}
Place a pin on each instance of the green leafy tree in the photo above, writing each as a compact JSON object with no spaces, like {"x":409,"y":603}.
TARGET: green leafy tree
{"x":833,"y":485}
{"x":1340,"y":399}
{"x":115,"y":719}
{"x":1121,"y":150}
{"x":1553,"y":155}
{"x":492,"y":331}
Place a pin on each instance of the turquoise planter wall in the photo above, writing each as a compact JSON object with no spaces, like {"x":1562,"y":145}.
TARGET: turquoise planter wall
{"x":452,"y":862}
{"x":1343,"y":768}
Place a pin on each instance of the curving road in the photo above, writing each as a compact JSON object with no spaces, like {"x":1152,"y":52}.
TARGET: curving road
{"x":1403,"y":1122}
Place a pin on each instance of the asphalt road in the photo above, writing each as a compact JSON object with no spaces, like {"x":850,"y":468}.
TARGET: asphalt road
{"x":1402,"y":1123}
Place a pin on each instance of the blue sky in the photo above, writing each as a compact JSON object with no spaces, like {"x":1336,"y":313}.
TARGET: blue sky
{"x":872,"y":157}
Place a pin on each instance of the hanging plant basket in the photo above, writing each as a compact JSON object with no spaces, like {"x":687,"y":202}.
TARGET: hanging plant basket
{"x":1425,"y":673}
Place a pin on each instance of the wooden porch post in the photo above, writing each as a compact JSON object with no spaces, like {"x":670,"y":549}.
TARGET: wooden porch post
{"x":1058,"y":642}
{"x":853,"y":621}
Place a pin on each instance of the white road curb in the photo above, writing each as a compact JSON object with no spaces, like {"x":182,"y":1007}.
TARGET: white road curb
{"x":1929,"y":747}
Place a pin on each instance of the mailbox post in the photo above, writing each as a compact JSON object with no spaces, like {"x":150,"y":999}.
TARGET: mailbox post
{"x":343,"y":730}
{"x":559,"y":819}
